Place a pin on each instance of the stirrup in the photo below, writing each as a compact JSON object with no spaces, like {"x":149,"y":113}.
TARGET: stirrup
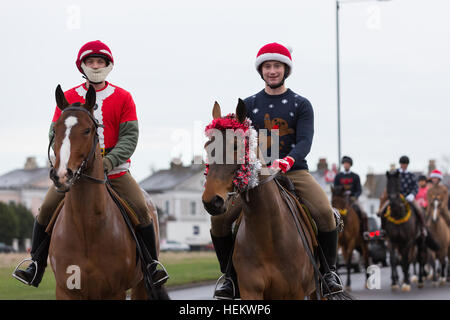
{"x":17,"y":268}
{"x":217,"y":283}
{"x":163,"y":269}
{"x":328,"y":289}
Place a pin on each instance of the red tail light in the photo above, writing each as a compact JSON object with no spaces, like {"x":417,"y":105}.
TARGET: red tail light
{"x":372,"y":234}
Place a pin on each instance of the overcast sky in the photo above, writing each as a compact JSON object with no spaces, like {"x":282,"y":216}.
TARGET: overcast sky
{"x":178,"y":57}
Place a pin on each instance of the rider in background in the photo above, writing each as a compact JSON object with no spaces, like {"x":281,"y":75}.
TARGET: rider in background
{"x":116,"y":111}
{"x":421,"y":196}
{"x":409,"y":189}
{"x":277,"y":107}
{"x":436,"y":180}
{"x":351,"y":183}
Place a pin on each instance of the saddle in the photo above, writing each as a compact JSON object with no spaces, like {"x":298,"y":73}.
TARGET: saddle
{"x":118,"y":200}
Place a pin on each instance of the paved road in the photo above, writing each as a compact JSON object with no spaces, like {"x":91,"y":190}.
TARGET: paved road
{"x":429,"y":292}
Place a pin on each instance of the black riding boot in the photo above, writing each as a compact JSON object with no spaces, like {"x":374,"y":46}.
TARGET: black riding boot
{"x":146,"y":237}
{"x":40,"y":243}
{"x":328,"y":241}
{"x":224,"y":250}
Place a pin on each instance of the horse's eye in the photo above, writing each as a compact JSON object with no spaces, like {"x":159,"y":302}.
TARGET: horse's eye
{"x":87,"y":131}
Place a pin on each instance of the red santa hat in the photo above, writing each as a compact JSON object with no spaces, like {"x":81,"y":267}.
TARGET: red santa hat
{"x":94,"y":48}
{"x":274,"y":51}
{"x":436,"y":174}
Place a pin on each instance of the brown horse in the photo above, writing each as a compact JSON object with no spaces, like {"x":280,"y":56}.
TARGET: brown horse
{"x":351,"y":238}
{"x":440,"y":231}
{"x":92,"y":252}
{"x":269,"y":256}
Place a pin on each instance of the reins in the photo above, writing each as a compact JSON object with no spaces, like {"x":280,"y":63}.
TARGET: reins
{"x":84,"y":165}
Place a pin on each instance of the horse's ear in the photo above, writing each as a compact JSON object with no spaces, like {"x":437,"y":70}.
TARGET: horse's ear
{"x":387,"y":174}
{"x":90,"y":98}
{"x":61,"y":100}
{"x":216,"y":113}
{"x":332,"y":189}
{"x":241,"y":112}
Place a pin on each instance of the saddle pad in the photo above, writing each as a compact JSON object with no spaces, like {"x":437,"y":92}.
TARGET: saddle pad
{"x":305,"y":219}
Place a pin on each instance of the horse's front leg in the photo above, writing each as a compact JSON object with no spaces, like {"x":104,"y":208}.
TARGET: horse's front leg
{"x":347,"y":253}
{"x":365,"y":252}
{"x":394,"y":275}
{"x":444,"y":266}
{"x":406,"y":286}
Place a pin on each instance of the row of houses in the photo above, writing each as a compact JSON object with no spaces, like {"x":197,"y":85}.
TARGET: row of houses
{"x":176,"y":191}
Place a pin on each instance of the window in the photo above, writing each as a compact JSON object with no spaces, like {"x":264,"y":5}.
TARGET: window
{"x":166,"y":208}
{"x":193,"y":207}
{"x":196,"y":230}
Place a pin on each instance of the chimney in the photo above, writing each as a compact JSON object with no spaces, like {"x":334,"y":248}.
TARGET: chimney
{"x":198,"y":159}
{"x":30,"y":163}
{"x":176,"y":163}
{"x":431,"y":165}
{"x":322,"y":166}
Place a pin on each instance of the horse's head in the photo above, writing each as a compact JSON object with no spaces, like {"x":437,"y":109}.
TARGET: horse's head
{"x":339,"y":199}
{"x":435,"y":198}
{"x":75,"y":134}
{"x":232,"y":166}
{"x":393,"y":185}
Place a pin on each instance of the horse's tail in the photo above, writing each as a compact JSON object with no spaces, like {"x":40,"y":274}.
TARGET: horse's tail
{"x":161,"y":293}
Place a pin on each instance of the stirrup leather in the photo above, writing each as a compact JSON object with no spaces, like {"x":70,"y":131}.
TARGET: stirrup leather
{"x":17,"y":268}
{"x":224,"y":277}
{"x":327,"y":289}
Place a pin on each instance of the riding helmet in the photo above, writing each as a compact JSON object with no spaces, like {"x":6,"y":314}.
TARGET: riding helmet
{"x":404,"y":159}
{"x":347,"y":159}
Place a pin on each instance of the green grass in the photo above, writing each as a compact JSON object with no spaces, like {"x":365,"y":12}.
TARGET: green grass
{"x":183,"y":268}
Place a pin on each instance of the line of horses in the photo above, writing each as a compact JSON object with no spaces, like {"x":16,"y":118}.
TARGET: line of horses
{"x":271,"y":259}
{"x":406,"y":243}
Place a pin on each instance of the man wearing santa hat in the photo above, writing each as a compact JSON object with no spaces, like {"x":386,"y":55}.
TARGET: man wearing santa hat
{"x":277,"y":107}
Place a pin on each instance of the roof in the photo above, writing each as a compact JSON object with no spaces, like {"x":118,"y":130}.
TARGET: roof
{"x":24,"y":178}
{"x":168,"y":179}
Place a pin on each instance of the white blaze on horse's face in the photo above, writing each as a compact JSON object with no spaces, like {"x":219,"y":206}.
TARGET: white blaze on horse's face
{"x":64,"y":152}
{"x":435,"y":210}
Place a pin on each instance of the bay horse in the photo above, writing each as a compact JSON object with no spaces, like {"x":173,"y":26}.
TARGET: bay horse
{"x":92,"y":252}
{"x":269,"y":256}
{"x":352,"y":237}
{"x":402,"y":233}
{"x":438,"y":227}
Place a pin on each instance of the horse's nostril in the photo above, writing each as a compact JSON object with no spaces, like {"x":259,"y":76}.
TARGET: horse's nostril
{"x":69,"y":173}
{"x":218,"y":202}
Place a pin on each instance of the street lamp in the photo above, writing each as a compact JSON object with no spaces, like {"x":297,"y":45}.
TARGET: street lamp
{"x":338,"y":3}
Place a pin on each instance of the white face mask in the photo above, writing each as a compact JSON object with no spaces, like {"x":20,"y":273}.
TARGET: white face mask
{"x":96,"y":75}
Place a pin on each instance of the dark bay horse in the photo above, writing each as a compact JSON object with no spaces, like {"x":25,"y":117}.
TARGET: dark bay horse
{"x":270,"y":259}
{"x":440,"y":231}
{"x":402,"y":232}
{"x":351,"y":238}
{"x":92,"y":252}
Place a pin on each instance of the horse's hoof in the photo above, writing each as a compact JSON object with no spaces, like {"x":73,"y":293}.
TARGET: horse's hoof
{"x":430,"y":276}
{"x":435,"y":284}
{"x":414,"y":279}
{"x":348,"y":288}
{"x":442,"y":281}
{"x":420,"y":285}
{"x":406,"y":287}
{"x":395,"y":287}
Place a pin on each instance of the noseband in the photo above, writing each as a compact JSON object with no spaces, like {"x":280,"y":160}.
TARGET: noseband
{"x":80,"y":171}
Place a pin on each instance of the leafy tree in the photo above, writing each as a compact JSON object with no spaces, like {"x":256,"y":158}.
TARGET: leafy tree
{"x":25,"y":220}
{"x":9,"y":224}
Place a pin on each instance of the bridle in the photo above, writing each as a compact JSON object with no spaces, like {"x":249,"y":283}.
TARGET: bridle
{"x":84,"y":165}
